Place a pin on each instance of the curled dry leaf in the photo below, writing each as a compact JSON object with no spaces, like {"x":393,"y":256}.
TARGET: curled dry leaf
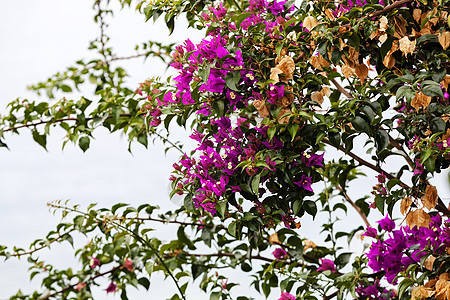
{"x":406,"y":46}
{"x":287,"y":99}
{"x":383,"y":23}
{"x":421,"y":292}
{"x":274,"y":74}
{"x":430,"y":199}
{"x":317,"y":97}
{"x":389,"y":60}
{"x":308,"y":244}
{"x":310,"y":22}
{"x":428,"y":263}
{"x":405,"y":205}
{"x":347,"y":71}
{"x":362,"y":71}
{"x":442,"y":287}
{"x":329,"y":14}
{"x":326,"y":91}
{"x":446,"y":81}
{"x":273,"y":239}
{"x":287,"y":67}
{"x":400,"y":27}
{"x":281,"y":118}
{"x":418,"y":218}
{"x":261,"y":107}
{"x":444,"y":39}
{"x":417,"y":13}
{"x":383,"y":38}
{"x":420,"y":100}
{"x":318,"y":62}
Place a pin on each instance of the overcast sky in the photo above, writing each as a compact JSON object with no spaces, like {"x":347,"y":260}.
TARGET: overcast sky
{"x":40,"y":38}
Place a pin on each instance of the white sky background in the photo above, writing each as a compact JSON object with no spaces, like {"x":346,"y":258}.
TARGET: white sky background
{"x":39,"y":38}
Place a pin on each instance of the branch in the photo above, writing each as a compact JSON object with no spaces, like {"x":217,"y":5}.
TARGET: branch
{"x":325,"y":297}
{"x":72,"y":285}
{"x":357,"y":208}
{"x":178,"y":222}
{"x":43,"y":246}
{"x":55,"y":121}
{"x":388,"y":8}
{"x":341,"y":89}
{"x":227,"y":254}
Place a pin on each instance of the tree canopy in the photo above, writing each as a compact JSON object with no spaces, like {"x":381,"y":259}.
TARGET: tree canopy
{"x":268,"y":95}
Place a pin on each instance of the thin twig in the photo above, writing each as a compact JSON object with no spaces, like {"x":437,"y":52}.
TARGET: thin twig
{"x":72,"y":285}
{"x":357,"y":208}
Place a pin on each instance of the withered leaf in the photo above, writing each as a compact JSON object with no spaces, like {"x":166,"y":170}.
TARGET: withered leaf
{"x":389,"y":60}
{"x":261,"y":107}
{"x":430,"y":199}
{"x":347,"y":71}
{"x":407,"y":46}
{"x":420,"y":100}
{"x":383,"y":38}
{"x":317,"y":97}
{"x":446,"y":81}
{"x":405,"y":205}
{"x":284,"y":119}
{"x":417,"y":13}
{"x":326,"y":91}
{"x":310,"y":22}
{"x":421,"y":292}
{"x":273,"y":239}
{"x":287,"y":66}
{"x":274,"y":74}
{"x":383,"y":23}
{"x":428,"y":263}
{"x":418,"y":218}
{"x":362,"y":71}
{"x":444,"y":39}
{"x":308,"y":244}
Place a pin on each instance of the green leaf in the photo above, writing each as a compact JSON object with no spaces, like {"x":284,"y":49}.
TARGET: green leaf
{"x":84,"y":143}
{"x":41,"y":139}
{"x":334,"y":138}
{"x":271,"y":132}
{"x":433,"y":90}
{"x":293,"y":128}
{"x":381,"y":139}
{"x":221,"y":207}
{"x":310,"y":207}
{"x":66,"y":89}
{"x":188,"y":203}
{"x":144,"y":282}
{"x":360,"y":124}
{"x":149,"y":267}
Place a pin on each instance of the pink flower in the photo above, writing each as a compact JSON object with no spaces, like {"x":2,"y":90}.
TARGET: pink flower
{"x":94,"y":262}
{"x":111,"y":288}
{"x":327,"y":265}
{"x":286,"y":296}
{"x":80,"y":286}
{"x":128,"y":265}
{"x":279,"y":253}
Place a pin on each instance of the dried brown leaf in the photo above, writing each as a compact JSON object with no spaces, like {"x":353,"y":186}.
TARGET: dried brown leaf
{"x":347,"y":71}
{"x":400,"y":27}
{"x":317,"y":97}
{"x":287,"y":66}
{"x":362,"y":71}
{"x":430,"y":199}
{"x":310,"y":22}
{"x":405,"y":205}
{"x":274,"y":74}
{"x":330,"y":14}
{"x":444,"y":39}
{"x":417,"y":13}
{"x":420,"y":100}
{"x":407,"y":46}
{"x":261,"y":107}
{"x":326,"y":91}
{"x":273,"y":239}
{"x":428,"y":263}
{"x":421,"y":292}
{"x":383,"y":23}
{"x":446,"y":81}
{"x":308,"y":244}
{"x":281,"y":119}
{"x":418,"y":218}
{"x":383,"y":38}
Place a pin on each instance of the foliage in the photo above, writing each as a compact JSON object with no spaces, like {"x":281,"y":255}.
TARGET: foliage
{"x":270,"y":90}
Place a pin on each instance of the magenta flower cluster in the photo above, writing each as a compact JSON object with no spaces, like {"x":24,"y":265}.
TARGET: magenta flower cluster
{"x":396,"y":252}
